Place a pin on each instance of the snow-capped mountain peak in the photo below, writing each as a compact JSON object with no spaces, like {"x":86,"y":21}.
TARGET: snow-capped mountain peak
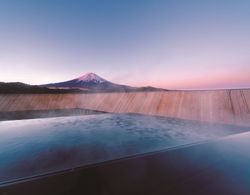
{"x":91,"y":77}
{"x":93,"y":83}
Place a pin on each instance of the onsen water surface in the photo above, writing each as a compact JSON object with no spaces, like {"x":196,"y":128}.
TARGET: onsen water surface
{"x":39,"y":146}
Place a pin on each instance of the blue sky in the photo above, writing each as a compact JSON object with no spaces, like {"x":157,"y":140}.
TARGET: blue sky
{"x":176,"y":44}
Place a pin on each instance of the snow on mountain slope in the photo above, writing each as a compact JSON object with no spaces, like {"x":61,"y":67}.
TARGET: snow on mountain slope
{"x":91,"y":77}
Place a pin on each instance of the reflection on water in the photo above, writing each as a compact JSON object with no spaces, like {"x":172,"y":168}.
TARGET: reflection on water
{"x":37,"y":146}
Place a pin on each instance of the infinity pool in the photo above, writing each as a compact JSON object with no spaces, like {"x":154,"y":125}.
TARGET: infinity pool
{"x":39,"y":146}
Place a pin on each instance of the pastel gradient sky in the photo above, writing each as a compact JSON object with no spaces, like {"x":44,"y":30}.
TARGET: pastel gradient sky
{"x":175,"y":44}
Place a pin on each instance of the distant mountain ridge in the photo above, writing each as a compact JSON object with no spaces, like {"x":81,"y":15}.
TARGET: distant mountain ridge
{"x":22,"y":88}
{"x":91,"y":82}
{"x":87,"y":83}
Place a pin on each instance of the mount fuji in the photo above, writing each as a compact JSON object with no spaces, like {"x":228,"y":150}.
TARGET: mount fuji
{"x":91,"y":82}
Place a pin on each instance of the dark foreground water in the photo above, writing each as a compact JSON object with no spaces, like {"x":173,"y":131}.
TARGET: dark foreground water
{"x":40,"y":146}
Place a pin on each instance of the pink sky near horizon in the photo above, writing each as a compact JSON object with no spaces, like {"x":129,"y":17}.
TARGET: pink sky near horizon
{"x":218,"y":81}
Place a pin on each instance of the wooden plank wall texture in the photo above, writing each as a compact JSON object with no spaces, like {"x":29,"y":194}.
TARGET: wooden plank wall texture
{"x":224,"y":106}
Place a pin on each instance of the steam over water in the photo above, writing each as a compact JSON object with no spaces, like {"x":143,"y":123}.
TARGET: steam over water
{"x":39,"y":146}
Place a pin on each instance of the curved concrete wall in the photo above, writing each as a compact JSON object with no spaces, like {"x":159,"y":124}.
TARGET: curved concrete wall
{"x":224,"y":106}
